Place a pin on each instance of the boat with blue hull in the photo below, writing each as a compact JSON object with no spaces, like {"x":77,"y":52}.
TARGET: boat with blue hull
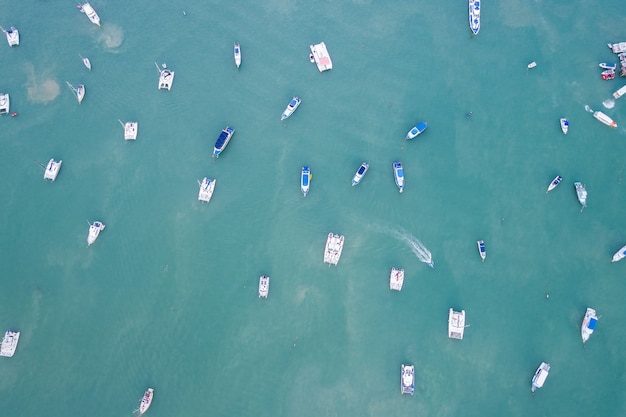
{"x":418,"y":129}
{"x":398,"y":174}
{"x":222,"y":140}
{"x":305,"y":180}
{"x":360,"y":173}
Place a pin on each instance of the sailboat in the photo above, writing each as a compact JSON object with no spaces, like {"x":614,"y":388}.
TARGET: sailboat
{"x":78,"y":91}
{"x":86,"y":61}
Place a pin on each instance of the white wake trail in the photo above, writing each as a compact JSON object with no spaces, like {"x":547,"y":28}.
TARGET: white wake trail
{"x":419,"y":250}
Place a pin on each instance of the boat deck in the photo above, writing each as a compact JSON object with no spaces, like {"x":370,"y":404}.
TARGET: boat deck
{"x":321,"y":57}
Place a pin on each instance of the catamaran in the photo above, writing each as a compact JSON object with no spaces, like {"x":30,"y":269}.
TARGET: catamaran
{"x":222,"y":140}
{"x":482,"y":251}
{"x":581,"y":193}
{"x":396,"y":279}
{"x":333,"y":249}
{"x":540,"y":376}
{"x":79,"y":91}
{"x":620,"y":254}
{"x":321,"y":57}
{"x":407,"y":379}
{"x":305,"y":180}
{"x":5,"y":103}
{"x":398,"y":174}
{"x":86,"y":62}
{"x":237,"y":54}
{"x":264,"y":286}
{"x":52,"y":170}
{"x":207,"y":186}
{"x":360,"y":173}
{"x":90,"y":13}
{"x":291,"y":107}
{"x":130,"y":130}
{"x":474,"y":16}
{"x":13,"y":36}
{"x":589,"y":324}
{"x":9,"y":343}
{"x":146,"y":401}
{"x":166,"y":77}
{"x":556,"y":181}
{"x":456,"y":324}
{"x":94,"y":232}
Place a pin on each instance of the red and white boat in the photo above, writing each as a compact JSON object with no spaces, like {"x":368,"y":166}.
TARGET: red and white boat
{"x":604,"y":119}
{"x":146,"y":401}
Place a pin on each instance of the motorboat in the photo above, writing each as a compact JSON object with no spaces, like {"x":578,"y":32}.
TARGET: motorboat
{"x":608,"y":74}
{"x":130,"y":130}
{"x":456,"y":324}
{"x":407,"y":379}
{"x":398,"y":174}
{"x":291,"y":107}
{"x":396,"y":279}
{"x":90,"y":13}
{"x":264,"y":286}
{"x":608,"y":65}
{"x":321,"y":57}
{"x":540,"y":376}
{"x":305,"y":180}
{"x":9,"y":343}
{"x":482,"y":251}
{"x":581,"y":193}
{"x":617,"y":48}
{"x":207,"y":186}
{"x":589,"y":324}
{"x":166,"y":77}
{"x":94,"y":230}
{"x":5,"y":103}
{"x":604,"y":119}
{"x":619,"y":92}
{"x":474,"y":16}
{"x":360,"y":173}
{"x":620,"y":254}
{"x":86,"y":62}
{"x":13,"y":36}
{"x":532,"y":65}
{"x":146,"y":401}
{"x":237,"y":54}
{"x":52,"y":170}
{"x":564,"y":125}
{"x":419,"y":128}
{"x":222,"y":140}
{"x":79,"y":91}
{"x":556,"y":181}
{"x":333,"y":249}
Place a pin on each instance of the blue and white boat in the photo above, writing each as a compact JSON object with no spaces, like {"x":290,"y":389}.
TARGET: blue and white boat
{"x":407,"y":379}
{"x":564,"y":125}
{"x":482,"y":251}
{"x":398,"y":174}
{"x":237,"y":54}
{"x":556,"y":181}
{"x":620,"y":254}
{"x":589,"y":324}
{"x":474,"y":16}
{"x":291,"y":107}
{"x":222,"y":140}
{"x":581,"y":193}
{"x":305,"y":180}
{"x":540,"y":376}
{"x":360,"y":173}
{"x":608,"y":65}
{"x":419,"y":128}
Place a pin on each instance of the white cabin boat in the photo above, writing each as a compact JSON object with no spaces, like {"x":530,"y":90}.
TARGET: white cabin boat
{"x":94,"y":231}
{"x":5,"y":103}
{"x":90,"y":13}
{"x":398,"y":175}
{"x":13,"y":36}
{"x":620,"y":254}
{"x":564,"y":125}
{"x":264,"y":286}
{"x":619,"y":92}
{"x":9,"y":343}
{"x":237,"y":54}
{"x":556,"y":181}
{"x":321,"y":57}
{"x":474,"y":16}
{"x":86,"y":62}
{"x":482,"y":251}
{"x":456,"y":324}
{"x":207,"y":186}
{"x":79,"y":91}
{"x":146,"y":401}
{"x":604,"y":119}
{"x":360,"y":173}
{"x":291,"y":107}
{"x":396,"y":279}
{"x":222,"y":140}
{"x":52,"y":170}
{"x":407,"y":379}
{"x":130,"y":130}
{"x":540,"y":376}
{"x":305,"y":180}
{"x":166,"y":78}
{"x":333,"y":249}
{"x":532,"y":65}
{"x":589,"y":324}
{"x":581,"y":193}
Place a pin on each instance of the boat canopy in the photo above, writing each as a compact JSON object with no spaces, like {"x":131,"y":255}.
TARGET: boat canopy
{"x":221,"y":139}
{"x":305,"y":178}
{"x":592,"y":323}
{"x":361,"y":170}
{"x":400,"y":173}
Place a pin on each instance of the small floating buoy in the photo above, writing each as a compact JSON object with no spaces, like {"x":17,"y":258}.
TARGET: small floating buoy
{"x":184,"y":13}
{"x":164,"y":65}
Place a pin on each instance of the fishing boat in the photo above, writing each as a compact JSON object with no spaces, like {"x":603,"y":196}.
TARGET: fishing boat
{"x":237,"y":54}
{"x":608,"y":74}
{"x":581,"y":193}
{"x":291,"y":107}
{"x":5,"y":103}
{"x":619,"y":92}
{"x":540,"y":376}
{"x":146,"y":401}
{"x":52,"y":170}
{"x":608,"y":65}
{"x":222,"y":140}
{"x":333,"y":249}
{"x":532,"y":65}
{"x":94,"y":232}
{"x":589,"y":324}
{"x":79,"y":91}
{"x":556,"y":181}
{"x":396,"y":279}
{"x":620,"y":254}
{"x":305,"y":180}
{"x":482,"y":251}
{"x":564,"y":125}
{"x":130,"y":130}
{"x":207,"y":186}
{"x":321,"y":57}
{"x":86,"y":62}
{"x":264,"y":286}
{"x":360,"y":173}
{"x":9,"y":343}
{"x":456,"y":324}
{"x":407,"y":379}
{"x":13,"y":36}
{"x":166,"y":77}
{"x":474,"y":16}
{"x":604,"y":119}
{"x":90,"y":13}
{"x":398,"y":174}
{"x":419,"y":128}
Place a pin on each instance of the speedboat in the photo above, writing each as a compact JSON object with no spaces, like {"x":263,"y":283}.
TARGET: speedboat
{"x":608,"y":74}
{"x":222,"y":140}
{"x":264,"y":286}
{"x":581,"y":193}
{"x":604,"y":119}
{"x":130,"y":130}
{"x":556,"y":181}
{"x":456,"y":324}
{"x":9,"y":343}
{"x":360,"y":173}
{"x":619,"y":92}
{"x":207,"y":186}
{"x":237,"y":54}
{"x":291,"y":107}
{"x":5,"y":103}
{"x":305,"y":180}
{"x":398,"y":174}
{"x":146,"y":401}
{"x":166,"y":78}
{"x":608,"y":65}
{"x":620,"y":254}
{"x":532,"y":65}
{"x":52,"y":170}
{"x":474,"y":16}
{"x":564,"y":125}
{"x":13,"y":36}
{"x":396,"y":279}
{"x":407,"y":379}
{"x":419,"y":128}
{"x":86,"y":62}
{"x":333,"y":249}
{"x":94,"y":231}
{"x":91,"y":13}
{"x":482,"y":251}
{"x":321,"y":57}
{"x":589,"y":324}
{"x":540,"y":376}
{"x":79,"y":91}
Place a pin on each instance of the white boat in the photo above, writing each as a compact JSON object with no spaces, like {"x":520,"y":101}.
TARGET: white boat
{"x":291,"y":107}
{"x":604,"y":119}
{"x":581,"y":193}
{"x":9,"y":343}
{"x":130,"y":130}
{"x":556,"y":181}
{"x":482,"y":251}
{"x":398,"y":174}
{"x":305,"y":180}
{"x":619,"y":92}
{"x":146,"y":401}
{"x":52,"y":170}
{"x":321,"y":57}
{"x":79,"y":91}
{"x":456,"y":324}
{"x":564,"y":125}
{"x":5,"y":103}
{"x":86,"y":62}
{"x":589,"y":324}
{"x":532,"y":65}
{"x":396,"y":279}
{"x":620,"y":254}
{"x":419,"y":128}
{"x":360,"y":173}
{"x":94,"y":231}
{"x":407,"y":379}
{"x":90,"y":13}
{"x":608,"y":65}
{"x":237,"y":54}
{"x":540,"y":376}
{"x":264,"y":286}
{"x":222,"y":140}
{"x":13,"y":36}
{"x":474,"y":16}
{"x":207,"y":186}
{"x":166,"y":78}
{"x":617,"y":48}
{"x":333,"y":249}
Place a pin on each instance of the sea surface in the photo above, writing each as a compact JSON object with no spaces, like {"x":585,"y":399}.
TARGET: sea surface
{"x":167,"y":296}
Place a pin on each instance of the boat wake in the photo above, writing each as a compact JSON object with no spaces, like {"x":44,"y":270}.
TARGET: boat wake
{"x":609,"y":104}
{"x":417,"y":247}
{"x":589,"y":109}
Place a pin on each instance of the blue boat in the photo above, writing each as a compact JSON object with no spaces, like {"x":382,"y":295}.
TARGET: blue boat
{"x":360,"y":173}
{"x":222,"y":140}
{"x":421,"y":126}
{"x":398,"y":174}
{"x":305,"y":180}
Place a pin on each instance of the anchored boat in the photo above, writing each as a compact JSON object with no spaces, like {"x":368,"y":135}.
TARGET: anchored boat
{"x":419,"y":128}
{"x":207,"y":186}
{"x":481,"y":250}
{"x":620,"y":254}
{"x":264,"y":286}
{"x":540,"y":376}
{"x":146,"y":401}
{"x":94,"y":231}
{"x":474,"y":16}
{"x":79,"y":91}
{"x":130,"y":130}
{"x":456,"y":324}
{"x":52,"y":170}
{"x":333,"y":249}
{"x":90,"y":13}
{"x":237,"y":54}
{"x":305,"y":180}
{"x":291,"y":107}
{"x":398,"y":174}
{"x":5,"y":103}
{"x":581,"y":193}
{"x":396,"y":279}
{"x":222,"y":140}
{"x":604,"y":119}
{"x":9,"y":343}
{"x":166,"y":78}
{"x":13,"y":36}
{"x":407,"y":379}
{"x":556,"y":181}
{"x":360,"y":173}
{"x":564,"y":125}
{"x":589,"y":324}
{"x":321,"y":57}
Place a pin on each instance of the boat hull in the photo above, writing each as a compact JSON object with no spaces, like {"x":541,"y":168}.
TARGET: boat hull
{"x":407,"y":379}
{"x":264,"y":286}
{"x":223,"y":140}
{"x":237,"y":54}
{"x":305,"y":180}
{"x":482,"y":251}
{"x":564,"y":125}
{"x":146,"y":401}
{"x":604,"y":119}
{"x":474,"y":16}
{"x":291,"y":107}
{"x":398,"y":174}
{"x":540,"y":376}
{"x":619,"y":255}
{"x":94,"y":232}
{"x":360,"y":173}
{"x":589,"y":324}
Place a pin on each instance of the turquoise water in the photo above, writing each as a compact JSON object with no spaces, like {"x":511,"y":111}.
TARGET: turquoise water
{"x":167,"y":296}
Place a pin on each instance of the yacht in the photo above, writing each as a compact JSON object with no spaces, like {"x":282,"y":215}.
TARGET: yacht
{"x":619,"y":92}
{"x":166,"y":78}
{"x":86,"y":62}
{"x":305,"y":180}
{"x":556,"y":181}
{"x":222,"y":140}
{"x":90,"y":13}
{"x":52,"y":170}
{"x":474,"y":16}
{"x":564,"y":125}
{"x":407,"y":379}
{"x":581,"y":193}
{"x":396,"y":279}
{"x":482,"y":251}
{"x":9,"y":343}
{"x":540,"y":376}
{"x":419,"y":128}
{"x":333,"y":249}
{"x":146,"y":401}
{"x":398,"y":174}
{"x":79,"y":91}
{"x":207,"y":186}
{"x":589,"y":324}
{"x":321,"y":57}
{"x":456,"y":324}
{"x":291,"y":107}
{"x":604,"y":119}
{"x":237,"y":54}
{"x":5,"y":103}
{"x":264,"y":286}
{"x":13,"y":36}
{"x":130,"y":130}
{"x":360,"y":173}
{"x":620,"y":254}
{"x":94,"y":231}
